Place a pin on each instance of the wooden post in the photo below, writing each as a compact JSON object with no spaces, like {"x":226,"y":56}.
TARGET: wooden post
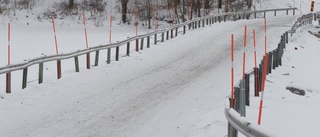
{"x":96,"y":63}
{"x":40,"y":79}
{"x":137,"y":45}
{"x":155,"y":39}
{"x":76,"y":62}
{"x":172,"y":33}
{"x":24,"y":78}
{"x":167,"y":34}
{"x":184,"y":29}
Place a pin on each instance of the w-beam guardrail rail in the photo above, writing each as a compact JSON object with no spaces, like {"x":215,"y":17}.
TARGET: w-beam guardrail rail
{"x":192,"y":24}
{"x":236,"y":115}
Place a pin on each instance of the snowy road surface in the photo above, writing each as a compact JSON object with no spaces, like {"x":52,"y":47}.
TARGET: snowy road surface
{"x":174,"y":89}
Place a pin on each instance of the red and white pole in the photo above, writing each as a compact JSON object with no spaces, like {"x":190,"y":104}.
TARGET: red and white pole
{"x":86,"y":37}
{"x":137,"y":16}
{"x":57,"y":49}
{"x":255,"y":63}
{"x":8,"y":90}
{"x":264,"y":75}
{"x":202,"y":8}
{"x":155,"y":18}
{"x":190,"y":17}
{"x":9,"y":49}
{"x":214,"y":6}
{"x":232,"y":71}
{"x":244,"y":52}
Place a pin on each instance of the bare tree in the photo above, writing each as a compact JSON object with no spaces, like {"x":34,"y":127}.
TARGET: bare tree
{"x":71,"y":4}
{"x":124,"y":4}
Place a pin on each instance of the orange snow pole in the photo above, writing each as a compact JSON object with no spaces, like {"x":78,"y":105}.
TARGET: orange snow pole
{"x":232,"y":71}
{"x":86,"y":37}
{"x":255,"y":62}
{"x":312,"y":6}
{"x":57,"y":50}
{"x":190,"y":17}
{"x":214,"y":5}
{"x":244,"y":52}
{"x":264,"y":75}
{"x":8,"y":90}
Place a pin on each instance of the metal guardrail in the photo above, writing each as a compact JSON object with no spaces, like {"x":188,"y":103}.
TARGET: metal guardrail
{"x":24,"y":65}
{"x":235,"y":116}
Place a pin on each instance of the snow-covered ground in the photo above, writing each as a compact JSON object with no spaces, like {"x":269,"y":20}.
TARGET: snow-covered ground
{"x":176,"y":88}
{"x":285,"y":113}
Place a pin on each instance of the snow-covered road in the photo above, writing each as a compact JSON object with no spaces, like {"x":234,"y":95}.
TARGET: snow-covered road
{"x":176,"y":88}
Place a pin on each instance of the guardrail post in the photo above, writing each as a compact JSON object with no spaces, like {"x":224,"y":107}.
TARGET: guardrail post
{"x":203,"y":23}
{"x":207,"y":21}
{"x":275,"y":13}
{"x":59,"y":68}
{"x":287,"y":12}
{"x":76,"y":63}
{"x":137,"y":45}
{"x":242,"y":99}
{"x":219,"y":18}
{"x":8,"y":79}
{"x":256,"y":82}
{"x":155,"y":39}
{"x":270,"y":62}
{"x":195,"y":25}
{"x":294,"y":11}
{"x":24,"y":78}
{"x":315,"y":16}
{"x":287,"y":37}
{"x":199,"y":24}
{"x":88,"y":60}
{"x":237,"y":99}
{"x":148,"y":41}
{"x":184,"y":29}
{"x":177,"y":30}
{"x":264,"y":14}
{"x":189,"y":26}
{"x":96,"y":63}
{"x":141,"y":44}
{"x":255,"y":15}
{"x":162,"y":37}
{"x":247,"y":87}
{"x":109,"y":55}
{"x":274,"y":57}
{"x":40,"y":78}
{"x":172,"y":33}
{"x":117,"y":53}
{"x":261,"y":67}
{"x":128,"y":49}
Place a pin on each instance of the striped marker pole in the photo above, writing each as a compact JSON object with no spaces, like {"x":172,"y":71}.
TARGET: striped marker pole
{"x":232,"y":71}
{"x":155,"y":18}
{"x":57,"y":49}
{"x":137,"y":15}
{"x":202,"y":8}
{"x":264,"y":75}
{"x":255,"y":63}
{"x":86,"y":37}
{"x":190,"y":16}
{"x":172,"y":14}
{"x":214,"y":6}
{"x":244,"y":51}
{"x":8,"y":88}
